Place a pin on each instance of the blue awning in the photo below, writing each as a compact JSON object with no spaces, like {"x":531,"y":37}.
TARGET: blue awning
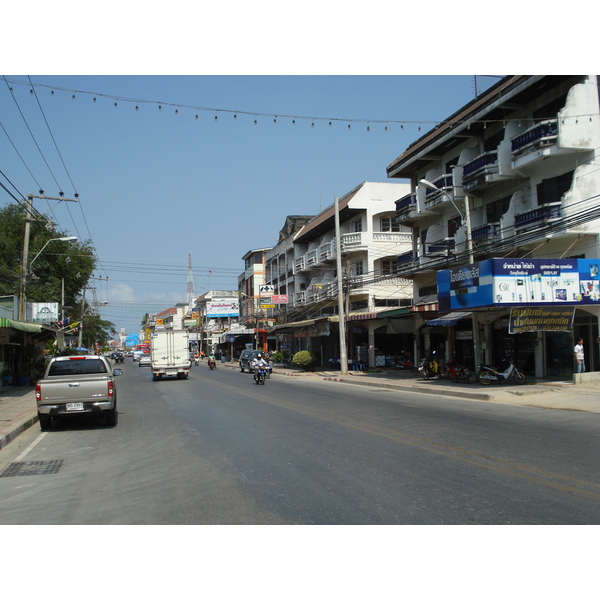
{"x":450,"y":319}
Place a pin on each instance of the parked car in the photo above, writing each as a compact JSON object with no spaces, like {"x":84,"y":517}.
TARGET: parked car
{"x":246,"y":358}
{"x":144,"y":360}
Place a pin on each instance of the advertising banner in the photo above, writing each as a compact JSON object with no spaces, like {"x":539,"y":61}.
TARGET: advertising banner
{"x":223,"y":307}
{"x":523,"y":320}
{"x":511,"y":282}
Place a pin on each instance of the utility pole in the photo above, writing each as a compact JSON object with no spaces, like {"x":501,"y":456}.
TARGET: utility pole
{"x":25,"y":257}
{"x":341,"y":313}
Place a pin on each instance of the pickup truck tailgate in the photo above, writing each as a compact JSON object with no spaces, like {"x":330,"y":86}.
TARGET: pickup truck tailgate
{"x":80,"y":388}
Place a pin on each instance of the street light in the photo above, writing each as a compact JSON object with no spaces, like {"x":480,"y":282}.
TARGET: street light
{"x":465,"y":219}
{"x":61,"y":239}
{"x":26,"y":272}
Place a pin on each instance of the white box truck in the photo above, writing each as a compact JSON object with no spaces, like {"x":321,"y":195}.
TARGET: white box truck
{"x":169,"y":353}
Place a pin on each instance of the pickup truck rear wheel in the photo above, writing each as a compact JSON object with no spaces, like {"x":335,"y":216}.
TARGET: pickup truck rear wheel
{"x":45,"y":422}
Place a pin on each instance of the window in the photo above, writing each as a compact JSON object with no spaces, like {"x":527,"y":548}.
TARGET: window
{"x":453,"y":226}
{"x":358,"y":268}
{"x":552,"y":190}
{"x":495,"y":210}
{"x":389,"y":224}
{"x":357,"y":226}
{"x":389,"y":267}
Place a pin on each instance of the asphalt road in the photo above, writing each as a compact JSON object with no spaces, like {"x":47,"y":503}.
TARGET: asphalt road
{"x":218,"y":449}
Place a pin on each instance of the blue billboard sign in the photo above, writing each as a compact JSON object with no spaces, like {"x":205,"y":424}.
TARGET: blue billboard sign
{"x":520,"y":282}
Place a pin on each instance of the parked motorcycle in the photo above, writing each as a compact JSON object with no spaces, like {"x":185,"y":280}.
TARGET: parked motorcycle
{"x":486,"y":373}
{"x":404,"y":361}
{"x":429,"y":366}
{"x":260,"y":375}
{"x":457,"y":372}
{"x":212,"y":364}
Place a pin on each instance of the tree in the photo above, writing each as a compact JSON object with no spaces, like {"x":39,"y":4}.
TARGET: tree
{"x":98,"y":330}
{"x":72,"y":262}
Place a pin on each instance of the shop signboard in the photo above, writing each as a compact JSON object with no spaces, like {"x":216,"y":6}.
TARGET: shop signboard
{"x":223,"y":307}
{"x":520,"y":282}
{"x":538,"y":318}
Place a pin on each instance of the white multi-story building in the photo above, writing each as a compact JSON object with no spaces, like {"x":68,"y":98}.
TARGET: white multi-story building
{"x":303,"y":267}
{"x":513,"y":175}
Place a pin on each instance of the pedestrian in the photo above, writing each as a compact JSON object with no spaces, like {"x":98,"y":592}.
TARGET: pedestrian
{"x":578,"y":354}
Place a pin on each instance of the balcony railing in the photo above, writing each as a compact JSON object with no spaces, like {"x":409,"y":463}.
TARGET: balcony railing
{"x":440,"y":247}
{"x":486,"y":233}
{"x":326,"y":252}
{"x":406,"y":203}
{"x":542,"y":134}
{"x":539,"y":217}
{"x":445,"y":190}
{"x":299,"y":264}
{"x":392,"y":237}
{"x":478,"y":171}
{"x":311,"y":259}
{"x":351,"y":241}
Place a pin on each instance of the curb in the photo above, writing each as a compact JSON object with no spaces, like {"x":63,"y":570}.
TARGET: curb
{"x":445,"y":392}
{"x":21,"y":426}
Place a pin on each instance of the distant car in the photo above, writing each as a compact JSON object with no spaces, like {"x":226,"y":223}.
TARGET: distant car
{"x":246,"y":358}
{"x":144,"y":360}
{"x":136,"y":355}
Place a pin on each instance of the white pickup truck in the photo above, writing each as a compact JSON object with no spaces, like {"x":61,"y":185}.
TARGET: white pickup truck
{"x":75,"y":385}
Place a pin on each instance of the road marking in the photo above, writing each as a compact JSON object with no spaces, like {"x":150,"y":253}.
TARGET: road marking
{"x":31,"y":447}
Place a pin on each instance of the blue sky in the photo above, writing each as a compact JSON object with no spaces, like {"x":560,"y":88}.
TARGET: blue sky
{"x":155,"y":184}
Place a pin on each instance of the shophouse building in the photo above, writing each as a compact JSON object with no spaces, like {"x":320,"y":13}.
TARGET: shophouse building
{"x":512,"y":176}
{"x":301,"y":270}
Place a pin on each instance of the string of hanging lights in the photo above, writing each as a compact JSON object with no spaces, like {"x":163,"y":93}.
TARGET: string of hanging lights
{"x":276,"y":118}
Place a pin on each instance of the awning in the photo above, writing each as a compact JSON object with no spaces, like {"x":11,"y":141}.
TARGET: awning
{"x":21,"y":325}
{"x":450,"y":319}
{"x":287,"y":327}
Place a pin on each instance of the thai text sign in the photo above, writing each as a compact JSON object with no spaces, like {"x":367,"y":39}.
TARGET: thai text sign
{"x":557,"y":318}
{"x":520,"y":282}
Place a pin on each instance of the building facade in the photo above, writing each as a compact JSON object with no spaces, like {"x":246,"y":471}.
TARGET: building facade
{"x":513,"y":175}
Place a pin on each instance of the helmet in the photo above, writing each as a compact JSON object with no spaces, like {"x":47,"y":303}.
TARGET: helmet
{"x":259,"y":356}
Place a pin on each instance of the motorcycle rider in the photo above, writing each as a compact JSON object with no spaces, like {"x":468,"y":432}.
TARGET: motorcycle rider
{"x":212,"y":361}
{"x":259,"y":361}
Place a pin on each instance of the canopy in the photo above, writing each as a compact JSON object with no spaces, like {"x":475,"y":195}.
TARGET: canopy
{"x":450,"y":319}
{"x":21,"y":325}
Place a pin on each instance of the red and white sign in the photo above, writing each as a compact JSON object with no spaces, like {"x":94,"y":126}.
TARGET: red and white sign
{"x":279,"y":299}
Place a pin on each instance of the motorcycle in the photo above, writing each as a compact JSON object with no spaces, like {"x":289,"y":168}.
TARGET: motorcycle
{"x":268,"y":371}
{"x":120,"y":359}
{"x":404,"y":361}
{"x":260,"y":375}
{"x":457,"y":372}
{"x":212,"y":364}
{"x":429,"y":367}
{"x":196,"y":360}
{"x":487,"y":373}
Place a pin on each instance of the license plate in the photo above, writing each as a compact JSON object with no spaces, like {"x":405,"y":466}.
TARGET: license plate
{"x":74,"y":406}
{"x":171,"y":371}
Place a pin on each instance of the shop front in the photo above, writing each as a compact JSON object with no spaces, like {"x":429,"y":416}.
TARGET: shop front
{"x":529,"y":310}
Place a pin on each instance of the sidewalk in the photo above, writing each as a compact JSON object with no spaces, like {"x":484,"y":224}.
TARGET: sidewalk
{"x":18,"y":410}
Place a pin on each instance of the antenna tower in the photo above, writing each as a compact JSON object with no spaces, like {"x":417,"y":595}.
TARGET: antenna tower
{"x":190,"y":280}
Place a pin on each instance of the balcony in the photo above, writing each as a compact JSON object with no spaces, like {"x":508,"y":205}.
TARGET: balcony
{"x":300,"y":264}
{"x":436,"y":199}
{"x":480,"y":170}
{"x":541,"y":135}
{"x":538,"y":217}
{"x":440,"y":248}
{"x":326,"y":252}
{"x":486,"y":233}
{"x":311,"y":259}
{"x":352,"y":242}
{"x":407,"y":208}
{"x":407,"y":261}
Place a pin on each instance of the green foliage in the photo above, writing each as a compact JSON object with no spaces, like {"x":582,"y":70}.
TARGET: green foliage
{"x":281,"y":356}
{"x":73,"y":262}
{"x":305,"y":359}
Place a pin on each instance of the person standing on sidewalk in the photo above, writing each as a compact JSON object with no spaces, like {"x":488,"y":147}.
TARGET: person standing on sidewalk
{"x":578,"y":354}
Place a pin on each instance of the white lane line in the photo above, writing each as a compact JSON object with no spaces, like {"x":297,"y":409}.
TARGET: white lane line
{"x":33,"y":445}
